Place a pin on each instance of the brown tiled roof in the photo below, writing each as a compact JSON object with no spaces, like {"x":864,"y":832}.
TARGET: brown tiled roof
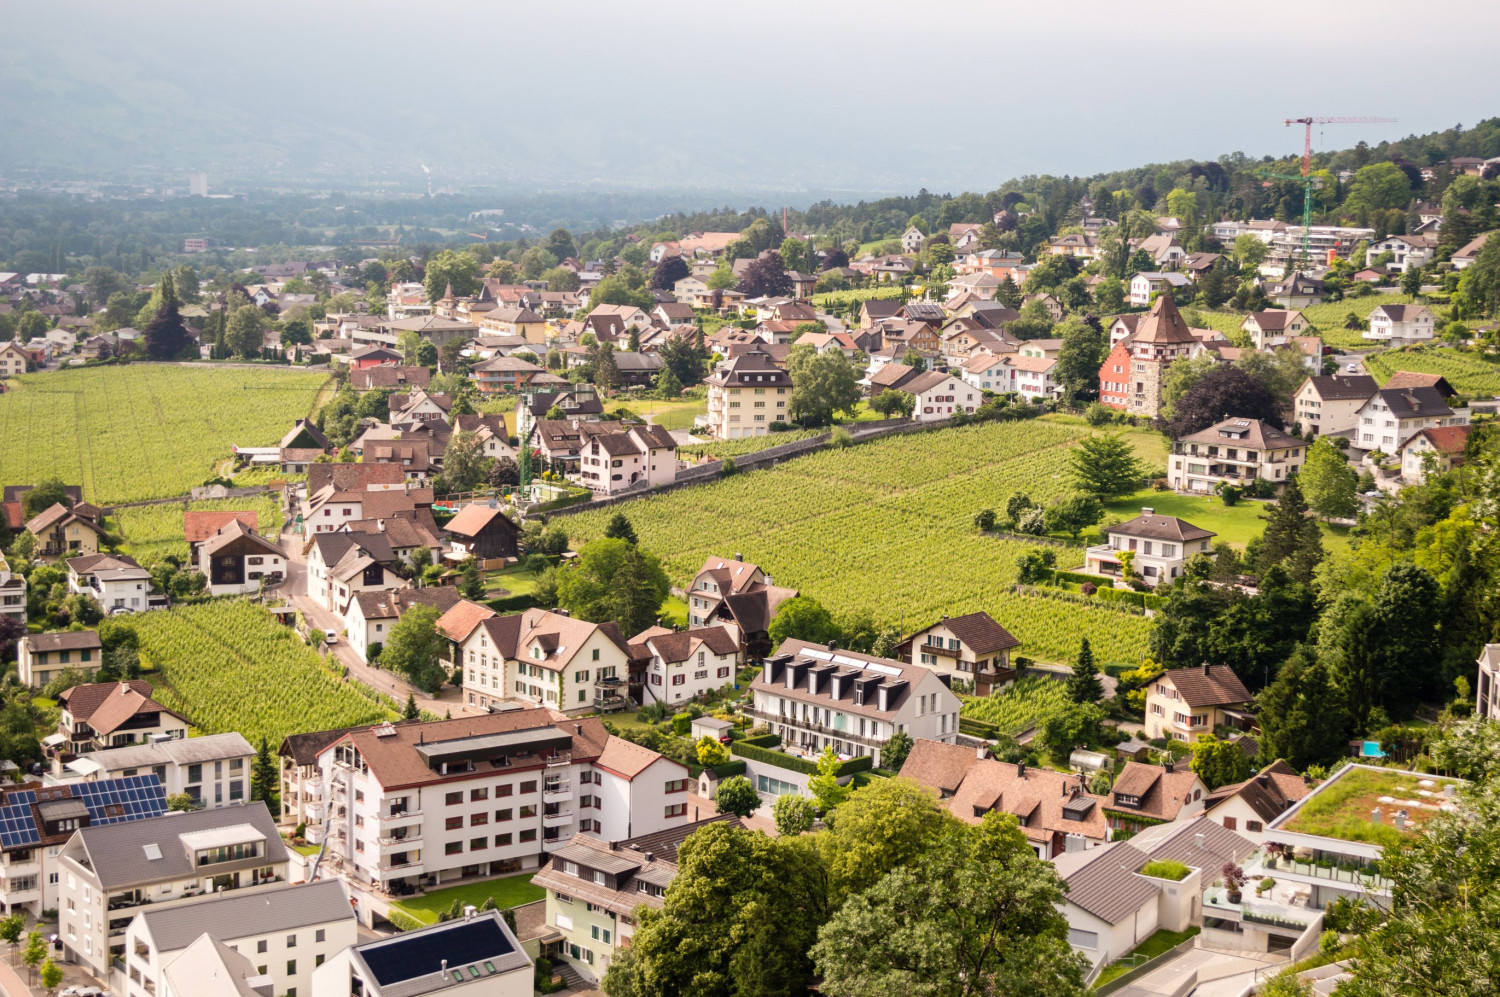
{"x":474,"y":518}
{"x":199,"y":526}
{"x":625,"y":759}
{"x":1445,"y":439}
{"x":388,"y":605}
{"x":352,"y":477}
{"x":1340,"y":387}
{"x":1412,"y":379}
{"x":892,"y":375}
{"x":1164,"y":324}
{"x":1255,"y":434}
{"x":82,"y":700}
{"x":1162,"y":794}
{"x":1103,"y":881}
{"x":1270,"y":792}
{"x":938,"y":765}
{"x":1208,"y":685}
{"x":680,"y":645}
{"x":979,"y":632}
{"x":461,"y":620}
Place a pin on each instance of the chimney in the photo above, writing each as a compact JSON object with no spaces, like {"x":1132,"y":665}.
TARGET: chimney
{"x":649,"y":856}
{"x":1400,"y":820}
{"x":444,"y":970}
{"x":469,"y":911}
{"x":578,"y":728}
{"x":1200,"y":839}
{"x":1205,"y":669}
{"x":1169,"y":766}
{"x":1264,"y":780}
{"x":981,"y":752}
{"x":1375,"y":816}
{"x":833,"y":646}
{"x":614,"y":846}
{"x":738,"y":556}
{"x":1147,"y":510}
{"x":1021,"y":770}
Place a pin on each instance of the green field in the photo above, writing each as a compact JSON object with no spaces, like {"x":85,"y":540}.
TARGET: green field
{"x":228,"y":665}
{"x":886,"y":528}
{"x":1026,"y":704}
{"x":512,"y":891}
{"x":1469,"y":373}
{"x":143,"y":430}
{"x":150,"y":532}
{"x":1235,"y":524}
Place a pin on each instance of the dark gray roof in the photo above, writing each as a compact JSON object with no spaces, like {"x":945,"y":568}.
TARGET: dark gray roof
{"x":67,"y":640}
{"x":1415,"y":403}
{"x":1154,"y":527}
{"x":1103,"y":881}
{"x":118,"y":852}
{"x":425,"y":961}
{"x":236,"y":915}
{"x":1342,"y":388}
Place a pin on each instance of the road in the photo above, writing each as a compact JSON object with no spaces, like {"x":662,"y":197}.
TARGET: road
{"x":1357,"y":359}
{"x":387,"y":682}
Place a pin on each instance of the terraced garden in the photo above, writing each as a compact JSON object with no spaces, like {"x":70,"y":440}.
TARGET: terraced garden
{"x":143,"y":431}
{"x":886,"y":528}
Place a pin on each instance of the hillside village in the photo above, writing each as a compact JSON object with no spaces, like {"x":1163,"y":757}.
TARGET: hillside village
{"x":458,"y":677}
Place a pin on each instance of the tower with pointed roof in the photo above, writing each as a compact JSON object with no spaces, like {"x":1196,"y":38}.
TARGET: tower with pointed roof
{"x":1132,"y":375}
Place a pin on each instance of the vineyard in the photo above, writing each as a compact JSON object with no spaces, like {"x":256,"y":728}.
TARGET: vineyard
{"x":228,"y":665}
{"x":841,"y":299}
{"x":1467,"y":372}
{"x":1026,"y":704}
{"x":150,"y":532}
{"x":1329,"y":317}
{"x":886,"y":528}
{"x":143,"y":431}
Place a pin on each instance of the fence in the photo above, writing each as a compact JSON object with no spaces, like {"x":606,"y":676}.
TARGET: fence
{"x":1149,"y":966}
{"x":201,"y":492}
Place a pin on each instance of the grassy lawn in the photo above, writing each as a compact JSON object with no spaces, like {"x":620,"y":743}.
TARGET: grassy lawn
{"x":674,"y":612}
{"x":1157,"y":944}
{"x":511,"y":891}
{"x":672,"y":415}
{"x":308,"y":850}
{"x":1235,"y":524}
{"x":516,"y":581}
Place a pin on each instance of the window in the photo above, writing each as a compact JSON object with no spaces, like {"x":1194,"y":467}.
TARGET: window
{"x":1231,"y":824}
{"x":475,"y":795}
{"x":321,"y":935}
{"x":475,"y":820}
{"x":529,"y":810}
{"x":1083,"y":939}
{"x":478,"y":844}
{"x":291,"y":941}
{"x":291,"y":967}
{"x":503,"y":790}
{"x":453,"y":823}
{"x":529,"y":835}
{"x":503,"y":814}
{"x":453,"y":799}
{"x":453,"y":848}
{"x":676,"y":785}
{"x":1252,"y":825}
{"x":529,"y":786}
{"x":260,"y":946}
{"x":676,"y":809}
{"x":501,"y":840}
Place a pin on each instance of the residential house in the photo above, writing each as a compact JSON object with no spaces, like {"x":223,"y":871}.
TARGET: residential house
{"x":908,"y":334}
{"x":989,"y":372}
{"x":1400,"y":325}
{"x":746,"y":395}
{"x":60,"y":530}
{"x":344,"y":563}
{"x":418,"y":406}
{"x":1392,"y":416}
{"x":876,"y":310}
{"x":546,"y":658}
{"x":595,"y":888}
{"x":939,"y":395}
{"x":693,"y":291}
{"x":237,"y":560}
{"x":370,"y":616}
{"x":116,"y":582}
{"x":1145,"y":794}
{"x":110,"y":873}
{"x":374,"y":356}
{"x":579,"y":402}
{"x":1465,"y":256}
{"x":1056,"y":813}
{"x":40,"y":658}
{"x":285,"y":932}
{"x":490,"y":431}
{"x":559,"y":441}
{"x":1274,"y":327}
{"x":401,"y":537}
{"x":1109,"y":906}
{"x":1132,"y":375}
{"x":1415,"y":379}
{"x":912,"y":240}
{"x":964,"y":234}
{"x":1234,"y":452}
{"x":483,"y":533}
{"x":1158,"y":546}
{"x":675,"y":666}
{"x":212,"y":770}
{"x":643,"y":456}
{"x":425,"y":804}
{"x":1079,"y":245}
{"x":1033,"y":377}
{"x":13,"y":359}
{"x":209,"y":968}
{"x":12,"y":590}
{"x":1487,"y":695}
{"x":1247,"y":807}
{"x":1195,"y":265}
{"x":891,"y":376}
{"x":815,"y":696}
{"x":1049,"y":302}
{"x":40,"y":819}
{"x":1432,"y":451}
{"x":414,"y":455}
{"x":1407,"y":251}
{"x":392,"y":376}
{"x":1146,"y":285}
{"x":502,"y":375}
{"x":475,"y":956}
{"x":738,"y":594}
{"x":1296,"y":291}
{"x":1182,"y":703}
{"x":515,"y":320}
{"x":1330,"y":404}
{"x":973,"y":650}
{"x":110,"y":715}
{"x":1163,"y":249}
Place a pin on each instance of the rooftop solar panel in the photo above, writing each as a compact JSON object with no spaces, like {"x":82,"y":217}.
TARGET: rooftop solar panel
{"x":111,"y":801}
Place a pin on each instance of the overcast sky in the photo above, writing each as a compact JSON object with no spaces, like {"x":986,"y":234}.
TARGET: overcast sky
{"x":867,"y":96}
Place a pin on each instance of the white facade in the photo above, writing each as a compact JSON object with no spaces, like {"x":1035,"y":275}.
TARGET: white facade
{"x":1406,"y":251}
{"x":1385,"y":429}
{"x":501,"y":969}
{"x":557,"y":662}
{"x":944,"y":399}
{"x":989,"y":373}
{"x":677,"y":674}
{"x":1487,"y":694}
{"x":1325,"y":414}
{"x":214,"y":770}
{"x":1400,"y":325}
{"x":116,"y":585}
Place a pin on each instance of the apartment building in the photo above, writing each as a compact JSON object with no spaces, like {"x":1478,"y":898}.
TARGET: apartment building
{"x":109,"y":873}
{"x":40,"y":658}
{"x":427,"y":804}
{"x":1182,"y":703}
{"x":746,"y":395}
{"x":36,"y":821}
{"x":594,"y":888}
{"x":815,"y":696}
{"x":541,"y":657}
{"x":1391,"y":416}
{"x":1234,"y":452}
{"x":474,"y":956}
{"x":285,"y":932}
{"x":213,"y":770}
{"x":12,"y":593}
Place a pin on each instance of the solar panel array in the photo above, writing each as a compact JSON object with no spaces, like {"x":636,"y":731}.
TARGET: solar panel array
{"x":110,"y":801}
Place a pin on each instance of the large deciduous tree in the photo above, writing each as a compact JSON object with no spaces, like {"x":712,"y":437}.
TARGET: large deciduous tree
{"x":1083,"y":350}
{"x":1220,"y":393}
{"x":415,"y":647}
{"x":1105,"y":466}
{"x":614,"y":580}
{"x":803,"y":618}
{"x":246,"y":332}
{"x":766,"y":276}
{"x":1328,"y":482}
{"x":822,"y":384}
{"x":450,"y":268}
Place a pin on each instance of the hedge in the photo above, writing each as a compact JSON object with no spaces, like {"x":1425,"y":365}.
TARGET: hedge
{"x":977,"y":728}
{"x":512,"y":604}
{"x":561,"y":503}
{"x":762,"y":741}
{"x":756,"y":753}
{"x":721,"y":772}
{"x":1077,"y":577}
{"x":403,"y":922}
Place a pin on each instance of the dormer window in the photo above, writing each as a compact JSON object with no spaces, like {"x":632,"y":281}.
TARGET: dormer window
{"x":536,"y":652}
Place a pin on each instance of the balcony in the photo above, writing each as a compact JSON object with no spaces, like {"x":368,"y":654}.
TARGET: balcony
{"x":1279,"y":918}
{"x":312,"y":789}
{"x":400,"y":871}
{"x":553,"y":844}
{"x":560,"y":818}
{"x":1350,"y":873}
{"x":385,"y":822}
{"x":410,"y":840}
{"x":560,"y":758}
{"x":407,"y":866}
{"x":560,"y":792}
{"x":812,"y":726}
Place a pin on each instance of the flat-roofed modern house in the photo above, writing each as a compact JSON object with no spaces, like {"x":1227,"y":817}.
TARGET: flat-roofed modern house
{"x":213,"y":770}
{"x":476,"y":955}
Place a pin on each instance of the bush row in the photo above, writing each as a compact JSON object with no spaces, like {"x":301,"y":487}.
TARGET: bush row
{"x":756,"y":753}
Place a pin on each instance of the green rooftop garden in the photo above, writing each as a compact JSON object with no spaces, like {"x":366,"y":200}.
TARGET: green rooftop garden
{"x":1341,"y":808}
{"x":1166,"y":869}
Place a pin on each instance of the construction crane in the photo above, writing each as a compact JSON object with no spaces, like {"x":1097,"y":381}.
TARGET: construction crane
{"x":1306,"y":176}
